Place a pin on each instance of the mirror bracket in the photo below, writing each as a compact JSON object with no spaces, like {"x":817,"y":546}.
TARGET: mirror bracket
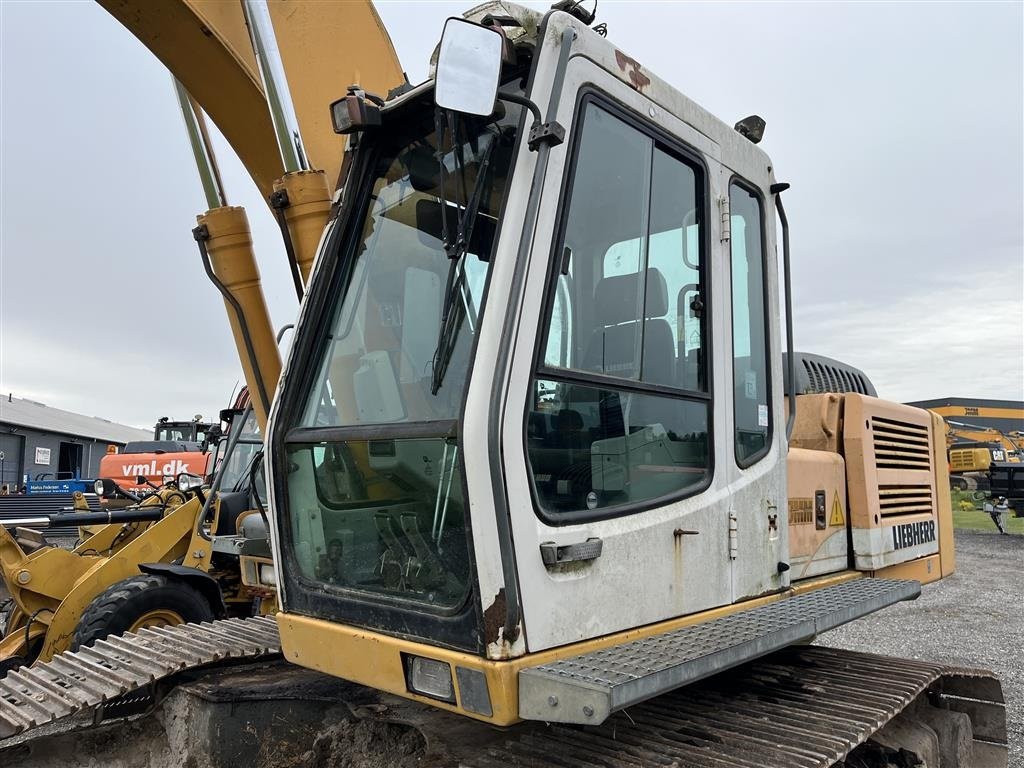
{"x":551,"y":134}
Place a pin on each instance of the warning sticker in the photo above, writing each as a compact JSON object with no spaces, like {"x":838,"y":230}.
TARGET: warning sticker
{"x":837,"y":517}
{"x":762,"y":415}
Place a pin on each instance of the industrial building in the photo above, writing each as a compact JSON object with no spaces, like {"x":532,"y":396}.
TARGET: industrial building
{"x":38,"y":442}
{"x":1005,"y":415}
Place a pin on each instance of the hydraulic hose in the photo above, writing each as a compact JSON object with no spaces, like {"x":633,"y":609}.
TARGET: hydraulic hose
{"x":225,"y":247}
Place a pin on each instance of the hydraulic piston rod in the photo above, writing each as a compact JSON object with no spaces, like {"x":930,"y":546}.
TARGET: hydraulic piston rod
{"x":143,"y":514}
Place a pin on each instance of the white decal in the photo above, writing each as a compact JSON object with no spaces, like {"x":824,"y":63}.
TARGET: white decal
{"x":762,"y":415}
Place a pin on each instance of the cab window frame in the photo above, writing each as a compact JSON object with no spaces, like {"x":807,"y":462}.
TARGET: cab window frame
{"x":457,"y":626}
{"x":752,"y":189}
{"x":691,"y":156}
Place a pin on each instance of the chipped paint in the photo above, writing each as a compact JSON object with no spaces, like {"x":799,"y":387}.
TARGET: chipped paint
{"x":631,"y":67}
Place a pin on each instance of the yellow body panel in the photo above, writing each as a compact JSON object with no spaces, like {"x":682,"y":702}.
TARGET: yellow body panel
{"x":375,"y":659}
{"x":943,"y":502}
{"x":817,"y":541}
{"x":924,"y":569}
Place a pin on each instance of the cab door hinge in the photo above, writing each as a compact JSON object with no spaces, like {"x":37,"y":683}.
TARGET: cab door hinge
{"x":734,"y":546}
{"x":723,"y":207}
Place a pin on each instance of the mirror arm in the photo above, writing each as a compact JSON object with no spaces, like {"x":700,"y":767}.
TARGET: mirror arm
{"x":551,"y":133}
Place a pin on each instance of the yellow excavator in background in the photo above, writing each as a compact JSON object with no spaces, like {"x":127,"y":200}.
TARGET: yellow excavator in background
{"x":530,"y":461}
{"x":973,"y":449}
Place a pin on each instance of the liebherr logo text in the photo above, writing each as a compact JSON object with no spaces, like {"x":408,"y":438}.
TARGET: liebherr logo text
{"x":912,"y":534}
{"x":170,"y":469}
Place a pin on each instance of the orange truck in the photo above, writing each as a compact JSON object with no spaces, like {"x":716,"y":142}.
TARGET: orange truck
{"x":143,"y":459}
{"x":177,"y":447}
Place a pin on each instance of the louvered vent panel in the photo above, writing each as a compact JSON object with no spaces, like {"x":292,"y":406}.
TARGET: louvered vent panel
{"x":896,"y":500}
{"x":899,"y":445}
{"x":826,"y":378}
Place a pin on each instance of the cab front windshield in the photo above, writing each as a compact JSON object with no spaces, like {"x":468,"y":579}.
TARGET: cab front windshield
{"x":237,"y":464}
{"x":374,"y":483}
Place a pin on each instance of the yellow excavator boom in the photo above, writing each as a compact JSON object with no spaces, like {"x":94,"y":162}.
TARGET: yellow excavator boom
{"x":324,"y":46}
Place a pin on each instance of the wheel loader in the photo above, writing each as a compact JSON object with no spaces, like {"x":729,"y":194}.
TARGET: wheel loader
{"x":539,"y":486}
{"x":169,"y":557}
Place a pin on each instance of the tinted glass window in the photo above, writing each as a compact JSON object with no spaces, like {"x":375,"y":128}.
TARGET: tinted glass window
{"x":595,"y":447}
{"x":609,"y":205}
{"x":401,"y":338}
{"x":750,"y":340}
{"x":391,"y":518}
{"x":375,"y":498}
{"x":625,"y":305}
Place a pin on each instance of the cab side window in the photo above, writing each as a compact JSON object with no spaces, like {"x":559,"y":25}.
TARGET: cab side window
{"x":752,"y":400}
{"x":619,"y":407}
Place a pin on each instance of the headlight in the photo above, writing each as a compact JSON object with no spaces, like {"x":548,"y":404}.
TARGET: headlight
{"x":187,"y":482}
{"x":105,"y":488}
{"x":267,"y":576}
{"x":429,"y":677}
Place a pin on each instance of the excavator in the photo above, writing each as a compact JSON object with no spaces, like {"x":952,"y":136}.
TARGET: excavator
{"x":540,"y":489}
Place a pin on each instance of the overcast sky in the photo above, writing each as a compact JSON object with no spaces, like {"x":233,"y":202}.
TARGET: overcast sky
{"x":899,"y":126}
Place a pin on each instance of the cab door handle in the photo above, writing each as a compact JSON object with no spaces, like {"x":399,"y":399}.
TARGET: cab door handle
{"x":554,"y":554}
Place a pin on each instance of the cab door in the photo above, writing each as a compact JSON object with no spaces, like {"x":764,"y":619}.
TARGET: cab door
{"x":620,"y":511}
{"x":755,"y":426}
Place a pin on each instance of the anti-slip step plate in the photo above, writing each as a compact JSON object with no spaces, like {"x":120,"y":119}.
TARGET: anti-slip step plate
{"x":587,"y":688}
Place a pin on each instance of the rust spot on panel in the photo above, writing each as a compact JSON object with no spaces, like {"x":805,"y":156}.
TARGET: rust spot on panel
{"x":494,"y":618}
{"x":632,"y":69}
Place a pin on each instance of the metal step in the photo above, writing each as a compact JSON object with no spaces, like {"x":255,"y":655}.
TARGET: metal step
{"x":586,"y":689}
{"x":84,"y":680}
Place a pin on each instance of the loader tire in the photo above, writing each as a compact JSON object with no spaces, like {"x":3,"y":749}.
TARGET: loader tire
{"x":140,"y":601}
{"x":10,"y":664}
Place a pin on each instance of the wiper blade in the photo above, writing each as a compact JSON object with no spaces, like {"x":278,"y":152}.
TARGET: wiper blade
{"x":453,"y":312}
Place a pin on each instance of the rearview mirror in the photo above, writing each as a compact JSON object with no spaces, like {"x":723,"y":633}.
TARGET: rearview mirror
{"x":468,"y":67}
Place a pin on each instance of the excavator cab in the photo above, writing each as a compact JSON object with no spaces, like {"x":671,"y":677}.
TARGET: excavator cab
{"x":525,"y":385}
{"x":534,"y":406}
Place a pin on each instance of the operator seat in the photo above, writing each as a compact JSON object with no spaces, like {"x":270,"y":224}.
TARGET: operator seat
{"x":614,"y":343}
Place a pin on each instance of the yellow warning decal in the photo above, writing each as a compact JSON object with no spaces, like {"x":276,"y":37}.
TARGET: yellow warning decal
{"x":837,"y":517}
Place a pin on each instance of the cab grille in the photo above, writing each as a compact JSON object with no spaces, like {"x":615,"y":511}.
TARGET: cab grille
{"x":899,"y":445}
{"x":896,"y":500}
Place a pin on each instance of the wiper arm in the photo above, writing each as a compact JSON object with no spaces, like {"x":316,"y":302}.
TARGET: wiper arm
{"x":453,"y":312}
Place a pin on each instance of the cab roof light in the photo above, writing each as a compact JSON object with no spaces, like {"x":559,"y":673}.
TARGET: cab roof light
{"x":356,"y":112}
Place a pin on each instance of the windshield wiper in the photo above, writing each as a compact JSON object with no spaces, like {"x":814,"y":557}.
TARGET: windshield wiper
{"x":453,"y":312}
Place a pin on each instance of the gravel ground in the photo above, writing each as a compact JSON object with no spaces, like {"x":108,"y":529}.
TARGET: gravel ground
{"x":974,"y":618}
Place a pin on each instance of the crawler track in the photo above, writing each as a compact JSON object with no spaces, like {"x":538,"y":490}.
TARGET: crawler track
{"x":84,"y":680}
{"x":801,"y":707}
{"x":804,"y":707}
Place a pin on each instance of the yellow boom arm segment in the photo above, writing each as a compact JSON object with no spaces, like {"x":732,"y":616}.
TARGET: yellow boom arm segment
{"x":325,"y":46}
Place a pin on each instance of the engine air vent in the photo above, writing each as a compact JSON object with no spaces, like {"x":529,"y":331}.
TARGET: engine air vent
{"x":817,"y":374}
{"x":896,"y":500}
{"x":900,"y":445}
